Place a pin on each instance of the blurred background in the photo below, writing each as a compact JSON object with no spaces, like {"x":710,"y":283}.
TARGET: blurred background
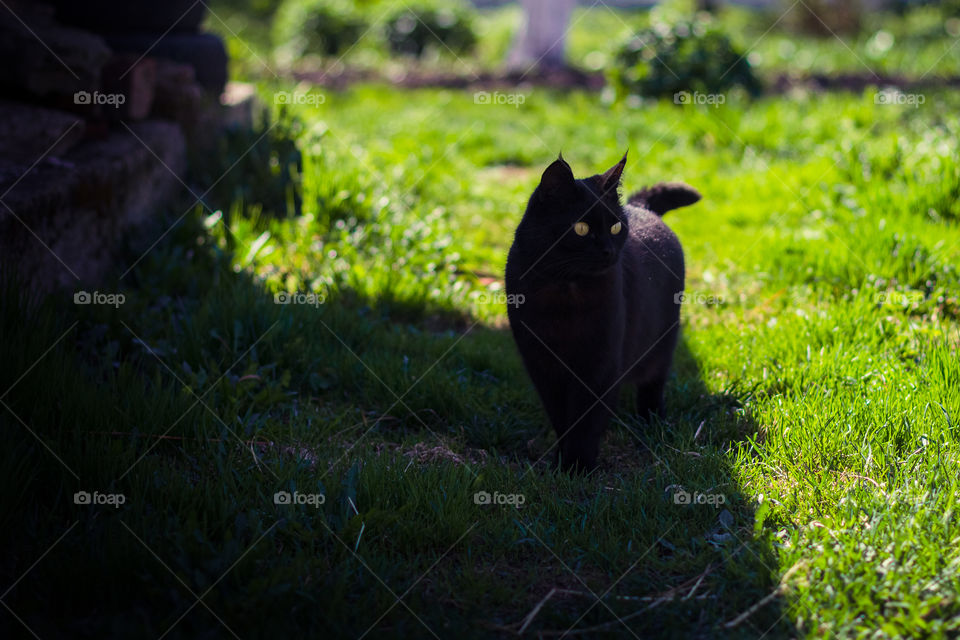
{"x":906,"y":39}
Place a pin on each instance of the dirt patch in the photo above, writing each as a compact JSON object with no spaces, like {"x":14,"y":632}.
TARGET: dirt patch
{"x":570,"y":78}
{"x":856,"y":82}
{"x":424,"y":453}
{"x":566,"y":78}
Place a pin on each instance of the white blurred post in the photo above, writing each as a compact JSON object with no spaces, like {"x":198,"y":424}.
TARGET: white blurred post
{"x":542,"y":39}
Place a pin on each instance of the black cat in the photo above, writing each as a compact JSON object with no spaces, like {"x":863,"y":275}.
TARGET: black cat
{"x":597,"y":287}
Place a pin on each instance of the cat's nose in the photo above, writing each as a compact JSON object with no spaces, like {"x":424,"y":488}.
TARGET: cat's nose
{"x":607,"y":252}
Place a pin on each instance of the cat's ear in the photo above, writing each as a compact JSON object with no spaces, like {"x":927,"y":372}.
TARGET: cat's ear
{"x":557,"y":179}
{"x":611,"y":179}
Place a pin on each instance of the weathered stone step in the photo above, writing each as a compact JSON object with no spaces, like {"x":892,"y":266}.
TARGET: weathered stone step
{"x":28,"y":132}
{"x":80,"y":204}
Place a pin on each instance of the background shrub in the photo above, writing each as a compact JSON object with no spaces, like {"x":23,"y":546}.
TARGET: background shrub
{"x":687,"y":55}
{"x":412,"y":31}
{"x":319,"y":27}
{"x":950,"y":8}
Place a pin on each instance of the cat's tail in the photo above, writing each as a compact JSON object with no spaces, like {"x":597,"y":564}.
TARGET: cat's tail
{"x":665,"y":196}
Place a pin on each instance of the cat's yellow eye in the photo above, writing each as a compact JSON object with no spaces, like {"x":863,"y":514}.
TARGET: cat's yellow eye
{"x":615,"y":229}
{"x":581,"y":228}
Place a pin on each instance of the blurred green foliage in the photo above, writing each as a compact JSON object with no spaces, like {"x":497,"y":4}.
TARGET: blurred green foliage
{"x":914,"y":41}
{"x":411,"y":32}
{"x":323,"y":27}
{"x":333,"y":27}
{"x":687,"y":55}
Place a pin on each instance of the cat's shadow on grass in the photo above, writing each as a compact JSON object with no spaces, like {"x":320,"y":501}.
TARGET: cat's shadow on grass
{"x":710,"y":523}
{"x":682,"y":470}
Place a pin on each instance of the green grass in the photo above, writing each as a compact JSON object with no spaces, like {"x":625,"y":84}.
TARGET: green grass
{"x":818,"y":392}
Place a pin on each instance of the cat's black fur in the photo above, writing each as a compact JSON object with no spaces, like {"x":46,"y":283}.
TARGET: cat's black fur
{"x":596,"y":310}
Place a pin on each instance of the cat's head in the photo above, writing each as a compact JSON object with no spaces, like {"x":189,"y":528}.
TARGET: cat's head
{"x":577,"y":226}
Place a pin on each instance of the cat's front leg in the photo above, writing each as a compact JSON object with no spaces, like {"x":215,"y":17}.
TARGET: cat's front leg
{"x":651,"y":400}
{"x":581,"y":430}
